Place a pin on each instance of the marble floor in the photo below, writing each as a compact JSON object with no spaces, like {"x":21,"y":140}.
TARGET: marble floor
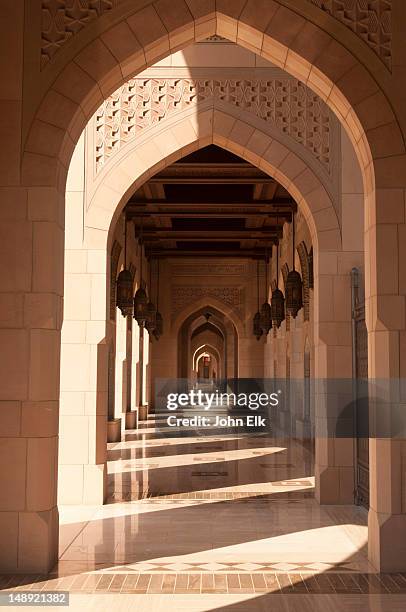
{"x":216,"y":522}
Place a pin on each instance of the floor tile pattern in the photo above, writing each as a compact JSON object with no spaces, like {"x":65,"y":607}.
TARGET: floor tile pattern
{"x":216,"y":516}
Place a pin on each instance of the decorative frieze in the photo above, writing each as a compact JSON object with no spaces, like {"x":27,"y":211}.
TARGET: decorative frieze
{"x":209,"y":270}
{"x":183,"y":295}
{"x":142,"y":103}
{"x":369,"y":19}
{"x":62,"y":19}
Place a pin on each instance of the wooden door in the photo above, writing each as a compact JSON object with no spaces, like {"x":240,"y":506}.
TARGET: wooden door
{"x":362,"y":417}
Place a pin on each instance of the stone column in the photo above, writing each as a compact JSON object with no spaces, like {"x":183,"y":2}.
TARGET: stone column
{"x":84,"y":355}
{"x":31,"y":260}
{"x":335,"y":474}
{"x":385,"y":309}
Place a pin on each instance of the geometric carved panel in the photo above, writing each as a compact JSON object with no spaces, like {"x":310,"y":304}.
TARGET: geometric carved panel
{"x":369,"y":19}
{"x":209,"y":269}
{"x":62,"y":19}
{"x":285,"y":102}
{"x":182,"y":296}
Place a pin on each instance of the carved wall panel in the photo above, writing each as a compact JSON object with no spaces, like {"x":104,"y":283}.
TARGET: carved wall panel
{"x":141,"y":103}
{"x":209,"y":270}
{"x":182,"y":296}
{"x":369,"y":19}
{"x":62,"y":19}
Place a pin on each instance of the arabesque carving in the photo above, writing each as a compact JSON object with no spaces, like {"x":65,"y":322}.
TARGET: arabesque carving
{"x":209,"y":270}
{"x":369,"y":19}
{"x":141,"y":103}
{"x":183,"y":295}
{"x":62,"y":19}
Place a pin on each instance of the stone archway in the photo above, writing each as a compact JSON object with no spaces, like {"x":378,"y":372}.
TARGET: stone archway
{"x":87,"y":69}
{"x":235,"y":134}
{"x":193,"y":318}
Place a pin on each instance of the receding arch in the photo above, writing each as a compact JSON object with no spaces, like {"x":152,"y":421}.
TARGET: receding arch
{"x":229,"y":331}
{"x":209,"y":349}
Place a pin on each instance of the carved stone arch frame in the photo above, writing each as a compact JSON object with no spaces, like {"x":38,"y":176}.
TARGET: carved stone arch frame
{"x":100,"y":58}
{"x":202,"y":350}
{"x":166,"y":146}
{"x":226,"y":323}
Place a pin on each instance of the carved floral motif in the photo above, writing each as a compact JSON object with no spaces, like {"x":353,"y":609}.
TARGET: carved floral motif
{"x":369,"y":19}
{"x":141,"y":103}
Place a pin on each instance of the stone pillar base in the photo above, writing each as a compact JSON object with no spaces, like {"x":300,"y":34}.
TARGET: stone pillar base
{"x":114,"y":430}
{"x":29,"y":542}
{"x":82,"y":484}
{"x":143,"y":412}
{"x":131,"y":419}
{"x":387,"y":541}
{"x":334,"y":485}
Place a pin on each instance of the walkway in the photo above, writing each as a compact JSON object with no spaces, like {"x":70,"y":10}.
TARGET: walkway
{"x":214,"y":523}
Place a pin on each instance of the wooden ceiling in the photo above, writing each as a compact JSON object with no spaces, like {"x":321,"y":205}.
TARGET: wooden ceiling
{"x":210,"y":203}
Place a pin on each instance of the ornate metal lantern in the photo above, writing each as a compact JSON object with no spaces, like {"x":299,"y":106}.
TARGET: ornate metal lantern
{"x":140,"y":297}
{"x":159,"y":325}
{"x":150,"y":320}
{"x":159,"y":322}
{"x":124,"y":283}
{"x":140,"y":306}
{"x":277,"y":307}
{"x":277,"y":299}
{"x":294,"y":286}
{"x":257,"y":331}
{"x":150,"y":309}
{"x":265,"y":319}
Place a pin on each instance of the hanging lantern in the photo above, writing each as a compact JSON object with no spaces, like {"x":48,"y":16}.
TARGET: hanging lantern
{"x":124,"y":292}
{"x":277,"y":299}
{"x":257,"y":331}
{"x":150,"y":309}
{"x":294,"y":287}
{"x":265,"y":319}
{"x":124,"y":283}
{"x":277,"y":307}
{"x":140,"y":297}
{"x":159,"y":323}
{"x":257,"y":325}
{"x":150,"y":317}
{"x":294,"y":293}
{"x":140,"y":306}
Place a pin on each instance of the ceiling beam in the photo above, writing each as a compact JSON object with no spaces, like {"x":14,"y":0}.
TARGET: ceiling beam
{"x":138,"y":207}
{"x":241,"y":254}
{"x":219,"y":235}
{"x":213,"y":180}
